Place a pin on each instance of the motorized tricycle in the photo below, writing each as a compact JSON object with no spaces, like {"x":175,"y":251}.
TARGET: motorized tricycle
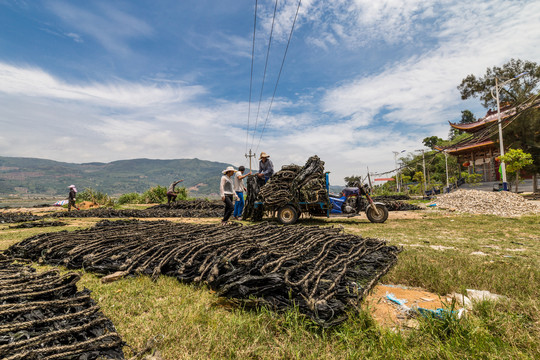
{"x":350,"y":202}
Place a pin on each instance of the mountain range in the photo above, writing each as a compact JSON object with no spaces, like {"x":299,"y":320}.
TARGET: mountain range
{"x":19,"y":175}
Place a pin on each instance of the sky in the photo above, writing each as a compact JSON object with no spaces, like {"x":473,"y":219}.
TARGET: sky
{"x":98,"y":81}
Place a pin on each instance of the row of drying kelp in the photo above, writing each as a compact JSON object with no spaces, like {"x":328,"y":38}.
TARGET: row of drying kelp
{"x":392,"y":203}
{"x":184,"y":208}
{"x":41,"y":223}
{"x":14,"y":217}
{"x":195,"y":204}
{"x":43,"y":316}
{"x":321,"y":270}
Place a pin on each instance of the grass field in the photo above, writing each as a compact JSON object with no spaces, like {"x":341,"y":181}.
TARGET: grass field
{"x":443,"y":252}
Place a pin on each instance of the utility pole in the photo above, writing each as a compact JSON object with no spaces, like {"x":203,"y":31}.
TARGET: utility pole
{"x":446,"y":162}
{"x":395,"y":163}
{"x":369,"y":179}
{"x":501,"y":146}
{"x":424,"y":166}
{"x":249,"y":156}
{"x":398,"y":185}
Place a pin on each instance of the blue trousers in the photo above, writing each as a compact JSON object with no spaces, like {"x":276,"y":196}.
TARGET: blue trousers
{"x":239,"y":204}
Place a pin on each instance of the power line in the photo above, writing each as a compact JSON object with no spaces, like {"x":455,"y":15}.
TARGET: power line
{"x":279,"y":75}
{"x":251,"y":74}
{"x":264,"y":74}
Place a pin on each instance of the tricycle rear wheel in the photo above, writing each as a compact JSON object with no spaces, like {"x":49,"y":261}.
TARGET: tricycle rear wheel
{"x":287,"y":215}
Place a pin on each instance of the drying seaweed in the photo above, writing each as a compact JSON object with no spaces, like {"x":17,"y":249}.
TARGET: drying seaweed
{"x":14,"y":217}
{"x":321,"y":270}
{"x":392,"y":203}
{"x":43,"y":316}
{"x":200,"y":209}
{"x":197,"y":204}
{"x":42,"y":223}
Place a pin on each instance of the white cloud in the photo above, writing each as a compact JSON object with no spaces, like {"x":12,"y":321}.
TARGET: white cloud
{"x":75,"y":37}
{"x":108,"y":25}
{"x":422,"y":89}
{"x":28,"y":81}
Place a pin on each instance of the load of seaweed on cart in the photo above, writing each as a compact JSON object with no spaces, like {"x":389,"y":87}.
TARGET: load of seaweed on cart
{"x":320,"y":270}
{"x":292,"y":183}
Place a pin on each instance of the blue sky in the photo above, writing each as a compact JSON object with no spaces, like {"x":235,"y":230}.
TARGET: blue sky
{"x":84,"y":81}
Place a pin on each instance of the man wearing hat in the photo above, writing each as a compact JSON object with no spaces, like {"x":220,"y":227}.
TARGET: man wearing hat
{"x":266,"y":168}
{"x":226,"y":190}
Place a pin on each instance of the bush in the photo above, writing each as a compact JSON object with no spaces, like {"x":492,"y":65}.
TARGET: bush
{"x":95,"y":196}
{"x":473,"y":179}
{"x":157,"y":194}
{"x":130,"y":198}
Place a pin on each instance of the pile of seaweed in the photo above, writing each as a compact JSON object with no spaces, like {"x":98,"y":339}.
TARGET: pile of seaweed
{"x":14,"y":217}
{"x":43,"y":316}
{"x":41,"y":223}
{"x":321,"y":270}
{"x":292,"y":183}
{"x":196,"y":204}
{"x":392,"y":197}
{"x":182,"y":208}
{"x":393,"y":203}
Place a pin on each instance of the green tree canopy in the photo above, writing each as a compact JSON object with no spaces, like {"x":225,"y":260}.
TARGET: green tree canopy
{"x":513,"y":92}
{"x":515,"y":160}
{"x":431,"y":141}
{"x":467,"y":117}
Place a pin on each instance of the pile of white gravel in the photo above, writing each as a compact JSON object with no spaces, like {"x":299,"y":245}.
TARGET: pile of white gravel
{"x":501,"y":203}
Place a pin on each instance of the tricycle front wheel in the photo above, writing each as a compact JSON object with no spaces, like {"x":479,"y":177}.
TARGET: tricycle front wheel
{"x":372,"y":215}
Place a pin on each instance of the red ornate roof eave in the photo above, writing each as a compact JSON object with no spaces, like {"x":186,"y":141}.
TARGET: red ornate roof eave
{"x":491,"y":116}
{"x":467,"y":147}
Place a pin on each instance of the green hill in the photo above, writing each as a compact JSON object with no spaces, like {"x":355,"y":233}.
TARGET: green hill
{"x":39,"y":176}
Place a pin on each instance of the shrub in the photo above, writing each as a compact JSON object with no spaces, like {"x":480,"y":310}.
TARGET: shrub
{"x":156,"y":194}
{"x":130,"y":198}
{"x":95,"y":196}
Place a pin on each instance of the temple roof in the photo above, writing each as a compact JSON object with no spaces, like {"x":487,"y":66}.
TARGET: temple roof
{"x":491,"y":116}
{"x":474,"y":144}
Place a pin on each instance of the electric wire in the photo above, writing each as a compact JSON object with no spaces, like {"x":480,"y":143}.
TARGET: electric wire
{"x":251,"y":74}
{"x":264,"y":73}
{"x":279,"y":75}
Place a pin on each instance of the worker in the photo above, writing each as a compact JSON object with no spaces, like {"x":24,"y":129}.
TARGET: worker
{"x":266,"y":168}
{"x":226,"y":190}
{"x":171,"y":194}
{"x":239,"y":188}
{"x":71,"y":197}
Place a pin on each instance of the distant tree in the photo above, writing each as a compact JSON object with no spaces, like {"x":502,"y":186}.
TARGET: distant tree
{"x":352,"y":180}
{"x":512,"y":93}
{"x":431,"y":141}
{"x":515,"y":160}
{"x":523,"y":131}
{"x":467,"y":117}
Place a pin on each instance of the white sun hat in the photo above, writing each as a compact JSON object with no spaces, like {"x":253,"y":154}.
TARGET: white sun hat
{"x":229,"y":168}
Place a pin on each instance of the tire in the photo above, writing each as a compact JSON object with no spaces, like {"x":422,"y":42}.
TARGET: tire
{"x":287,"y":215}
{"x":372,"y":215}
